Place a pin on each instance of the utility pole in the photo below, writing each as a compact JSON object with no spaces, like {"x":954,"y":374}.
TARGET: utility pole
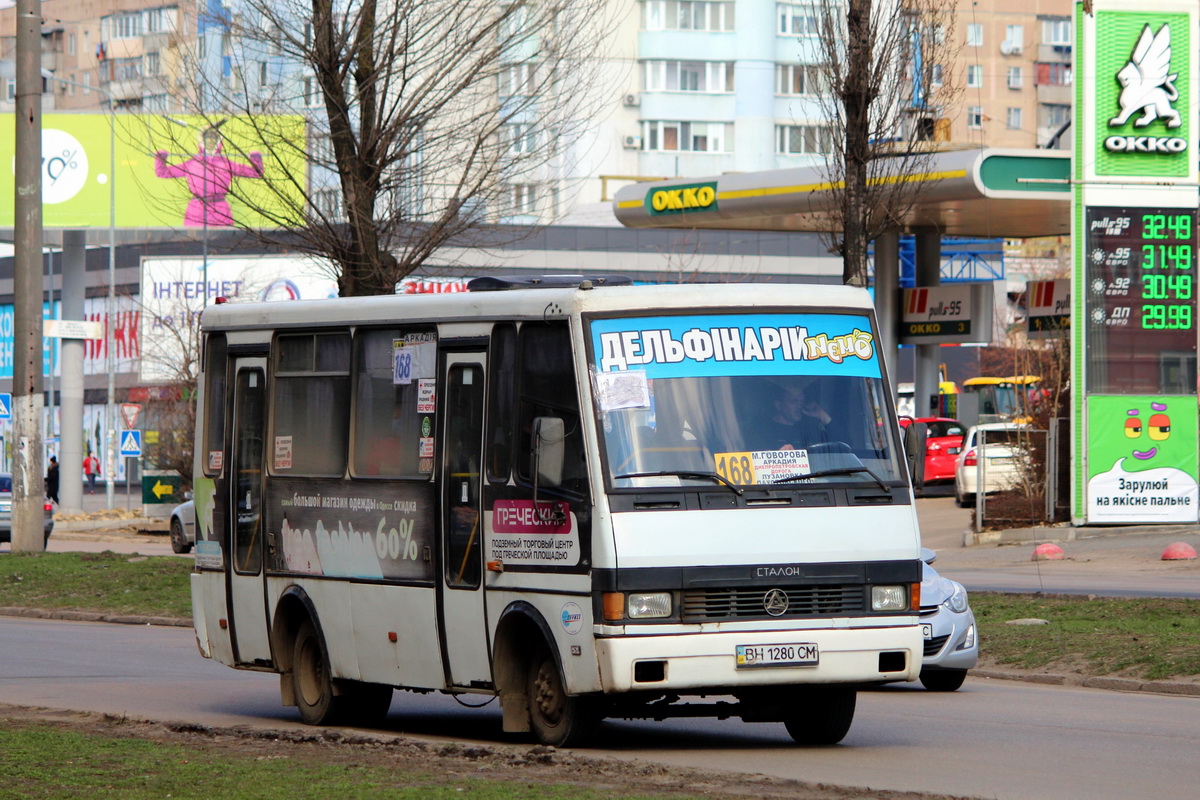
{"x":27,"y":473}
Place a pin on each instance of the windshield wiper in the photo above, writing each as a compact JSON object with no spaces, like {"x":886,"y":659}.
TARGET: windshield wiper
{"x":825,"y":473}
{"x":684,"y":473}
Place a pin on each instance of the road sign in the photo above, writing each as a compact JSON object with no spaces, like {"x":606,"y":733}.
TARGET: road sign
{"x":72,"y":329}
{"x":129,"y":413}
{"x":160,"y":487}
{"x":131,"y":444}
{"x":5,"y":405}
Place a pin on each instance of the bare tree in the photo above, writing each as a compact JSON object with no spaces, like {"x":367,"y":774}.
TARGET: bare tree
{"x":885,"y":65}
{"x":427,"y":120}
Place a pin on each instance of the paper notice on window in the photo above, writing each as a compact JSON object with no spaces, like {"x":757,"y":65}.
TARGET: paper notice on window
{"x":414,"y":357}
{"x":426,"y":395}
{"x":761,"y":466}
{"x":283,"y":452}
{"x":619,"y":390}
{"x":774,"y":465}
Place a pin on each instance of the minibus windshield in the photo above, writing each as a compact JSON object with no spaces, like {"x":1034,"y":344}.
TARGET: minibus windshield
{"x":736,"y":400}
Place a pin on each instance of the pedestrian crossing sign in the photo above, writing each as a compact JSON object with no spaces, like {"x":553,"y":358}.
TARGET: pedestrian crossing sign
{"x":6,"y":405}
{"x":131,"y":444}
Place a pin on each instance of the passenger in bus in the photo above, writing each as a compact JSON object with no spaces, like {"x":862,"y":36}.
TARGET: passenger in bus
{"x":796,"y":419}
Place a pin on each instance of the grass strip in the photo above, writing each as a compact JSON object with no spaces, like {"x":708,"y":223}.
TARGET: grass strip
{"x":1149,"y":638}
{"x":110,"y":583}
{"x":43,"y":761}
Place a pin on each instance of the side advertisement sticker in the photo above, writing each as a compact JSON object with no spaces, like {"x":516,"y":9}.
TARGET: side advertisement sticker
{"x":545,"y":536}
{"x":326,"y":528}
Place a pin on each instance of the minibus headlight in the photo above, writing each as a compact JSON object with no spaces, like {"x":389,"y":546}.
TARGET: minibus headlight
{"x":889,"y":598}
{"x":649,"y":606}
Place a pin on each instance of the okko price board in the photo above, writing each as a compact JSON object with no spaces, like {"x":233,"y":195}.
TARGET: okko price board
{"x":1141,"y":296}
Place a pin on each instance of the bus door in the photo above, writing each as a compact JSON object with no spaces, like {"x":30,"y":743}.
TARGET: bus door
{"x":464,"y":627}
{"x":243,"y":510}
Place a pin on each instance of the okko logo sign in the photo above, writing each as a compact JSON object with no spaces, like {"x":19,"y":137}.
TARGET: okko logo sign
{"x":64,"y":166}
{"x":1143,"y":127}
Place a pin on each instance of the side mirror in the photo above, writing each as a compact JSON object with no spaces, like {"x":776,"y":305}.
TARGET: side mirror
{"x":549,"y":449}
{"x":914,"y":452}
{"x":928,"y":556}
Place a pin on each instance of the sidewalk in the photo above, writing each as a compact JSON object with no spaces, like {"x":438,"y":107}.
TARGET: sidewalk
{"x":127,"y":512}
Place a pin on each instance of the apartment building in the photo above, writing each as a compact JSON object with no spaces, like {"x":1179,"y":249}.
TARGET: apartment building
{"x":693,"y":87}
{"x":1016,"y":71}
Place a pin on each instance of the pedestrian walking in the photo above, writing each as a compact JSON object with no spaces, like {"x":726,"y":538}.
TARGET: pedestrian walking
{"x":91,"y":468}
{"x":52,"y":480}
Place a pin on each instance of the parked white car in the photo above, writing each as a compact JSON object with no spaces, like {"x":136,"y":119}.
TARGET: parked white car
{"x":183,"y":527}
{"x":1001,"y":454}
{"x":948,"y":624}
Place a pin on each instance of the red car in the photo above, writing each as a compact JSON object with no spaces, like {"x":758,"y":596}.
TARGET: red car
{"x":943,"y":441}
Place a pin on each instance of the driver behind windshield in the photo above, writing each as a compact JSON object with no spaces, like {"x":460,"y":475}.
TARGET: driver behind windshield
{"x":794,"y":418}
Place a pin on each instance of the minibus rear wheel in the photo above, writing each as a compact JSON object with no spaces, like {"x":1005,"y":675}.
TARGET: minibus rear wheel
{"x":311,"y":677}
{"x":557,"y":718}
{"x":821,"y":716}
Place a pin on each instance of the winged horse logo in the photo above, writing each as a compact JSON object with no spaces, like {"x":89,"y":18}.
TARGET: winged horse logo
{"x":1145,"y":82}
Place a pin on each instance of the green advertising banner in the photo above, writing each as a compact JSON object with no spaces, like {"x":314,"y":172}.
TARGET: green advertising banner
{"x":1142,"y":459}
{"x":171,"y":172}
{"x":1143,"y":67}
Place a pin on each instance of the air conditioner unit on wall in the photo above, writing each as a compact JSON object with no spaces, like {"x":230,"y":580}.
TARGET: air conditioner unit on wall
{"x":632,"y":143}
{"x":632,"y":100}
{"x":1010,"y":48}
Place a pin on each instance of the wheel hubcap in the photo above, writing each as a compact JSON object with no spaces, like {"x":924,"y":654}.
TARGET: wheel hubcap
{"x":309,"y":674}
{"x":548,"y":698}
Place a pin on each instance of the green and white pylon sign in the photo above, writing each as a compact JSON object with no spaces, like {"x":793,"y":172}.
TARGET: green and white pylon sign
{"x":1133,"y":370}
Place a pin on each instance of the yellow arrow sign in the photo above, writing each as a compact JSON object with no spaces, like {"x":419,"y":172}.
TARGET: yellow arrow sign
{"x":161,"y":488}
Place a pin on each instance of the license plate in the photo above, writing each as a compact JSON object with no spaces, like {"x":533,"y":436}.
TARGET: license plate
{"x":803,"y":654}
{"x":927,"y":631}
{"x":1000,"y":461}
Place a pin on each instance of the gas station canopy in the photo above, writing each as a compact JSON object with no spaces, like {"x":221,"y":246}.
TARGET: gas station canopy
{"x":981,"y":193}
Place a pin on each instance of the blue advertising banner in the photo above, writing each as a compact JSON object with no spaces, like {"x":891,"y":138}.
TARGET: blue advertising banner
{"x":737,"y":344}
{"x":7,"y":323}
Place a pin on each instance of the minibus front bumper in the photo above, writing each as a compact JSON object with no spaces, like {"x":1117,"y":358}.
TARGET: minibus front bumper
{"x":727,"y":660}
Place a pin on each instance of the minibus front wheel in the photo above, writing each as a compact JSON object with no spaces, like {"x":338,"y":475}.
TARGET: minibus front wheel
{"x":557,"y":718}
{"x":820,"y":715}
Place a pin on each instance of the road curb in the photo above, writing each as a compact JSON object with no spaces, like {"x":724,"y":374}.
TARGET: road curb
{"x":93,"y":616}
{"x":1109,"y":684}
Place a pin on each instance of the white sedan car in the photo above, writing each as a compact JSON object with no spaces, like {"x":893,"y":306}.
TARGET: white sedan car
{"x":183,"y":527}
{"x":1001,"y":454}
{"x":948,"y":624}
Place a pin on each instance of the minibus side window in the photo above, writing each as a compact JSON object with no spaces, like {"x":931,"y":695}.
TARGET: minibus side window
{"x":393,"y":412}
{"x":547,"y":389}
{"x":310,"y":405}
{"x":502,"y":363}
{"x":215,"y":364}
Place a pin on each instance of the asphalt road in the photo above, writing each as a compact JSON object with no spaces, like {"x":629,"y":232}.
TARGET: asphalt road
{"x":995,"y":739}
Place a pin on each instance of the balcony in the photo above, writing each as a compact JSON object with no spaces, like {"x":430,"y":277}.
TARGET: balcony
{"x":1056,"y":95}
{"x":1054,"y":54}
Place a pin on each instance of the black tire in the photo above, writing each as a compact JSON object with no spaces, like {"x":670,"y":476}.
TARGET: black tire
{"x":363,"y":704}
{"x":943,"y":680}
{"x":963,"y":501}
{"x":821,"y":716}
{"x":178,"y":545}
{"x":558,"y":719}
{"x":311,"y":680}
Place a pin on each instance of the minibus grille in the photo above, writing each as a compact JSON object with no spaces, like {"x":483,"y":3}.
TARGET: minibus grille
{"x":751,"y":602}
